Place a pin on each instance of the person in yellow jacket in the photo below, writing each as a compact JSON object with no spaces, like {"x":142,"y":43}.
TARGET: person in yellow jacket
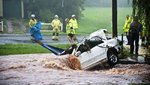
{"x":32,"y":21}
{"x":70,"y":32}
{"x":127,"y":27}
{"x":56,"y":25}
{"x":74,"y":22}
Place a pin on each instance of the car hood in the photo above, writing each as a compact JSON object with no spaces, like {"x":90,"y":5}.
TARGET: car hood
{"x":100,"y":33}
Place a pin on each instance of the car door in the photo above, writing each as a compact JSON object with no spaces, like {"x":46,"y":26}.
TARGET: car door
{"x":93,"y":57}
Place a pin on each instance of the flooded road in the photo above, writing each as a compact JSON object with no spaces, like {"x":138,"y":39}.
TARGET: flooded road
{"x":48,"y":69}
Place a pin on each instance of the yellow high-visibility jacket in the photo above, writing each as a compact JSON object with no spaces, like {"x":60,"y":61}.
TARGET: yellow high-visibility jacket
{"x":74,"y":23}
{"x":69,"y":28}
{"x":32,"y":22}
{"x":127,"y":25}
{"x":56,"y":24}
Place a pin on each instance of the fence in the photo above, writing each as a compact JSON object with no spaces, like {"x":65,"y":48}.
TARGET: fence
{"x":48,"y":27}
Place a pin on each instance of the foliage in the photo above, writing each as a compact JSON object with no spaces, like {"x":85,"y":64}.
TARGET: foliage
{"x":45,"y":15}
{"x":63,"y":8}
{"x":30,"y":7}
{"x":125,"y":53}
{"x":141,"y":8}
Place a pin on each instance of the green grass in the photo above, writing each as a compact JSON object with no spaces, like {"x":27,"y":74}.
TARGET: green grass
{"x":8,"y":49}
{"x":97,"y":17}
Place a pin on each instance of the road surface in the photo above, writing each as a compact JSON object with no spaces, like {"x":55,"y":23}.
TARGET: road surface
{"x":26,"y":39}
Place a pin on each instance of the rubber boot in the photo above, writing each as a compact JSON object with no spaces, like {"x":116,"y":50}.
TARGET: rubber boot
{"x":53,"y":37}
{"x":56,"y":37}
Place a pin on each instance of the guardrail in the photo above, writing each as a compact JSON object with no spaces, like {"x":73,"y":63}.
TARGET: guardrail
{"x":49,"y":26}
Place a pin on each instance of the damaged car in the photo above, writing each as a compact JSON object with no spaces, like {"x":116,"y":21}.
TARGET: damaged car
{"x":98,"y":47}
{"x":95,"y":49}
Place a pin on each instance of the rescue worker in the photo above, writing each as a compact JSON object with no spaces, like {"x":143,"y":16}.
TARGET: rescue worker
{"x":74,"y":22}
{"x":70,"y":31}
{"x":56,"y":25}
{"x":32,"y":21}
{"x":127,"y":27}
{"x":134,"y":32}
{"x":35,"y":32}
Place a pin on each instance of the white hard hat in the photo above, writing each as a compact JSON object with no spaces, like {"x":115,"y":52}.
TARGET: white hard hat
{"x":32,"y":15}
{"x":73,"y":15}
{"x":56,"y":16}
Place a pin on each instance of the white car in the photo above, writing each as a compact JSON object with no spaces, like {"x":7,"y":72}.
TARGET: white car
{"x":96,"y":48}
{"x":93,"y":50}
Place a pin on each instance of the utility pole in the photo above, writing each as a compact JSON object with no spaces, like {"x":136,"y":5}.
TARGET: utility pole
{"x":63,"y":16}
{"x":114,"y":18}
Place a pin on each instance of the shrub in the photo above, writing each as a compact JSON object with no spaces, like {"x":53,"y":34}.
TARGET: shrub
{"x":46,"y":15}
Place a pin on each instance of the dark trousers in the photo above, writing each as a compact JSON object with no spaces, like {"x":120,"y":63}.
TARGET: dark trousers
{"x":55,"y":34}
{"x":134,"y":38}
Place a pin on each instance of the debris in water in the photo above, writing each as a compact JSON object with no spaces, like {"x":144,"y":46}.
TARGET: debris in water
{"x":129,"y":69}
{"x":63,"y":63}
{"x":74,"y":62}
{"x":17,"y":66}
{"x":54,"y":64}
{"x":12,"y":67}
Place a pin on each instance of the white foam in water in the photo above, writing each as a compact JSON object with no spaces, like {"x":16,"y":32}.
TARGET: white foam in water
{"x":141,"y":59}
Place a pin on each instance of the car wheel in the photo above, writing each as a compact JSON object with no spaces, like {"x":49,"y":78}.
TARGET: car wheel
{"x":112,"y":57}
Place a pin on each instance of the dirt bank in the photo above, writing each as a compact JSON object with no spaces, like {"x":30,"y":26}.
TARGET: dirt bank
{"x":47,"y":69}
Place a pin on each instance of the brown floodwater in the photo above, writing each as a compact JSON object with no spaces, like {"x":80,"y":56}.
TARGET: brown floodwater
{"x":48,"y":69}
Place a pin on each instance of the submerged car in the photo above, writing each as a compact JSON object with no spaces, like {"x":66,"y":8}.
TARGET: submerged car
{"x":95,"y":49}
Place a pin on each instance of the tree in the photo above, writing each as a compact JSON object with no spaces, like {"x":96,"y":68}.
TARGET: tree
{"x":142,"y":8}
{"x":63,"y":8}
{"x":30,"y":7}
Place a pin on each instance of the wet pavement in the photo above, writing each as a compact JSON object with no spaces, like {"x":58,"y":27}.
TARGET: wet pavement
{"x":26,"y":39}
{"x":29,"y":69}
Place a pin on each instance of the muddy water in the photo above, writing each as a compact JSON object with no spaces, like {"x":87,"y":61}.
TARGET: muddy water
{"x":48,"y":69}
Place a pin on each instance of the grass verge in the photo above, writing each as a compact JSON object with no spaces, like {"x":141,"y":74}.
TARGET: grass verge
{"x":8,"y":49}
{"x":101,"y":17}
